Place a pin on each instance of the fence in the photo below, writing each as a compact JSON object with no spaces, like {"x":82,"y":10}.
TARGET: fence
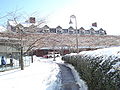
{"x":10,"y":50}
{"x":12,"y":63}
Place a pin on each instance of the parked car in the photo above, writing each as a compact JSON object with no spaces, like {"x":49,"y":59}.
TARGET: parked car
{"x":51,"y":55}
{"x":45,"y":56}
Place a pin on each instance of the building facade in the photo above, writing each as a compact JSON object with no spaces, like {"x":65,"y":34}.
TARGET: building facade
{"x":33,"y":28}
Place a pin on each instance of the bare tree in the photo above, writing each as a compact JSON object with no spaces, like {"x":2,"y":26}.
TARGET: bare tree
{"x":27,"y":40}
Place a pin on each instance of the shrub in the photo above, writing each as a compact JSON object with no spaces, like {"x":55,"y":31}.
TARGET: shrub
{"x":100,"y":72}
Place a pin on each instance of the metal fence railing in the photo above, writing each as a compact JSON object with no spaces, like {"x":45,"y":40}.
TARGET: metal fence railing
{"x":12,"y":63}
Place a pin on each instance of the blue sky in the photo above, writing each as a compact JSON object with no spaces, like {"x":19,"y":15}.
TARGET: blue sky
{"x":37,"y":8}
{"x":104,"y":12}
{"x":30,"y":6}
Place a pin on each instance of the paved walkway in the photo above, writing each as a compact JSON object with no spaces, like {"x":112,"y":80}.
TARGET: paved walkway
{"x":68,"y":80}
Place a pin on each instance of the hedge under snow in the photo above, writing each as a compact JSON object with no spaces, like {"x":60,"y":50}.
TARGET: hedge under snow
{"x":99,"y":68}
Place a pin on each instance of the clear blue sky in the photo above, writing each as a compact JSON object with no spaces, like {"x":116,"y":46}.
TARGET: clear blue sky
{"x":42,"y":8}
{"x":30,"y":6}
{"x":104,"y":12}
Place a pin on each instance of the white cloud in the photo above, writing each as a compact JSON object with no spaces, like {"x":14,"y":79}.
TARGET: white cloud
{"x":104,"y":12}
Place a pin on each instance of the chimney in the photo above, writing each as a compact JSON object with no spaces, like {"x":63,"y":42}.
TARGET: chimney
{"x":94,"y":24}
{"x":32,"y":19}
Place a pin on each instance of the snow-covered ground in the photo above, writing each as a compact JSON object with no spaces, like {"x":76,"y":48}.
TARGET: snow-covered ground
{"x":43,"y":74}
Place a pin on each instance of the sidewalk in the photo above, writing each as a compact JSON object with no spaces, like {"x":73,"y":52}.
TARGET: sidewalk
{"x":68,"y":80}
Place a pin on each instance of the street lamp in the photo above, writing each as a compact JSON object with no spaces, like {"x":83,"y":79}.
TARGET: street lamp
{"x":74,"y":17}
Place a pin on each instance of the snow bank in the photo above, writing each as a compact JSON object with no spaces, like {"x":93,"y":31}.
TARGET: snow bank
{"x":106,"y":54}
{"x":80,"y":82}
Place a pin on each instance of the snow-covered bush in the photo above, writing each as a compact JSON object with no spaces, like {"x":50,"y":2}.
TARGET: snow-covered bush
{"x":99,"y":68}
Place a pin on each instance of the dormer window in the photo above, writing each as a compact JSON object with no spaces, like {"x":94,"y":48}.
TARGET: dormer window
{"x":82,"y":28}
{"x":71,"y":30}
{"x":91,"y":29}
{"x":59,"y":29}
{"x":101,"y":29}
{"x":46,"y":29}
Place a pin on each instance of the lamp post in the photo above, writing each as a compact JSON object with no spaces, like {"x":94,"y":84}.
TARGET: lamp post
{"x":74,"y":17}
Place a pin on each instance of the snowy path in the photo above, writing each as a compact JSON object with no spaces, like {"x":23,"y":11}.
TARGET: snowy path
{"x":43,"y":74}
{"x":68,"y":80}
